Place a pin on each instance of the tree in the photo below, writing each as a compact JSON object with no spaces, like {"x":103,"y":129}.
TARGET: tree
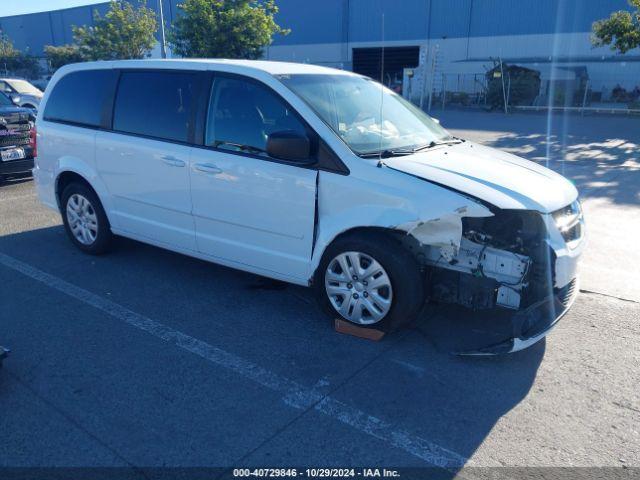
{"x":15,"y":62}
{"x":62,"y":55}
{"x":124,"y":32}
{"x":7,"y":49}
{"x":224,"y":28}
{"x":26,"y":65}
{"x":621,"y":30}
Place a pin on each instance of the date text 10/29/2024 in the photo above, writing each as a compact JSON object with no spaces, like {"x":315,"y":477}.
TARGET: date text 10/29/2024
{"x":316,"y":472}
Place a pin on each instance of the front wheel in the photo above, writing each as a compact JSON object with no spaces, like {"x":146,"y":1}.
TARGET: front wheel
{"x":369,"y":279}
{"x":84,"y":219}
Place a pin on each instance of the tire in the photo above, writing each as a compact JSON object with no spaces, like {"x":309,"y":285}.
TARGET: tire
{"x":93,"y":218}
{"x":406,"y":294}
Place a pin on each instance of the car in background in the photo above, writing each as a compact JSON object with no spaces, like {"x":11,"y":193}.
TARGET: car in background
{"x":17,"y":138}
{"x":21,"y":92}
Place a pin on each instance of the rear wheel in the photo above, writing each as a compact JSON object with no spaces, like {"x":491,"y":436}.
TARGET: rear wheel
{"x":369,"y":279}
{"x":84,"y":219}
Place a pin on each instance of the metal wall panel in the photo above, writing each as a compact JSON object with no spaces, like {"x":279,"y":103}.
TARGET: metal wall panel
{"x":337,"y":21}
{"x":60,"y":34}
{"x":404,"y":19}
{"x":13,"y":28}
{"x":37,"y":34}
{"x":315,"y":21}
{"x":311,"y":21}
{"x":450,"y":18}
{"x":517,"y":17}
{"x":35,"y":30}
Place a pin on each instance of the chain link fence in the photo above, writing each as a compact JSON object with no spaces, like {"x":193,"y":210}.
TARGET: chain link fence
{"x":610,"y":88}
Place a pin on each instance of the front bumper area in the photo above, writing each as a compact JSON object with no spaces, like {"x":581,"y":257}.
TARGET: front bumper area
{"x":535,"y":322}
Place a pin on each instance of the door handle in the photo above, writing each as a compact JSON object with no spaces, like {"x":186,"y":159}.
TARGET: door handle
{"x":173,"y":161}
{"x":207,"y":168}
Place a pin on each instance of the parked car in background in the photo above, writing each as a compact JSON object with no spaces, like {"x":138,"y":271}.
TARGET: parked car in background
{"x":17,"y":138}
{"x":21,"y":92}
{"x":314,"y":176}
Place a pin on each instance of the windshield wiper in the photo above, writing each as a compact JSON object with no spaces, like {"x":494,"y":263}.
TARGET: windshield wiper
{"x":386,"y":153}
{"x":239,"y":146}
{"x":399,"y":152}
{"x":448,"y":141}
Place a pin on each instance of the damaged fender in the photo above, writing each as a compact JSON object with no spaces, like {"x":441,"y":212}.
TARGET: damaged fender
{"x":444,"y":231}
{"x":433,"y":215}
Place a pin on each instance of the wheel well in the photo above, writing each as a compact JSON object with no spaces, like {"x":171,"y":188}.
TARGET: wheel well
{"x":28,"y":105}
{"x":66,"y":178}
{"x":375,"y":231}
{"x":390,"y":232}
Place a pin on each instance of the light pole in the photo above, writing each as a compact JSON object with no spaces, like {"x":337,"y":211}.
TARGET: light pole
{"x":163,"y":44}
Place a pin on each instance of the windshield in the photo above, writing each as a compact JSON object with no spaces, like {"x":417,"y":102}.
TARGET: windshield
{"x":351,"y":106}
{"x":5,"y":101}
{"x":24,"y":87}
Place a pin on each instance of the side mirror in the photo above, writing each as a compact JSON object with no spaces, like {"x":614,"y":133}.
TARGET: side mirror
{"x":289,"y":145}
{"x":15,"y":99}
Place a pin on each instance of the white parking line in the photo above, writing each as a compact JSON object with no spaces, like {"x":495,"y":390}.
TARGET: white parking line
{"x":294,"y":394}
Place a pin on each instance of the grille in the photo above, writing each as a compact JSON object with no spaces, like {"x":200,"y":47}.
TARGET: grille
{"x":566,"y":293}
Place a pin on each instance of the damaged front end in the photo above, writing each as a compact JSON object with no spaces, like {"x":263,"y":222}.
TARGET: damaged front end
{"x":518,"y":264}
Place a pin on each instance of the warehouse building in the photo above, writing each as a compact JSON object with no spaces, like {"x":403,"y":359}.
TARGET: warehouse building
{"x":454,"y":41}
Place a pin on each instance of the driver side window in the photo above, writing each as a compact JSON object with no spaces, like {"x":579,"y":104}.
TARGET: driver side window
{"x":242,"y":114}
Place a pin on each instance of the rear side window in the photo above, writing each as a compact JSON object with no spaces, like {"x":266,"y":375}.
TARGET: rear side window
{"x":155,"y":104}
{"x":78,"y":97}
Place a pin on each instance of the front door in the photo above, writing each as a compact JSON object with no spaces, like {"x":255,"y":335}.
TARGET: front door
{"x":251,"y":210}
{"x":144,"y":160}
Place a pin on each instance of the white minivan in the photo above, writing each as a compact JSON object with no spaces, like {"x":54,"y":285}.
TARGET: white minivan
{"x":310,"y":175}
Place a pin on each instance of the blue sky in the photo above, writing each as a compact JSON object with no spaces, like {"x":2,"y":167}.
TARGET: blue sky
{"x":18,"y":7}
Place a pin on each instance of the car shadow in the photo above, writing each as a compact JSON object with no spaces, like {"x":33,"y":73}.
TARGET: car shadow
{"x":410,"y":379}
{"x":15,"y":179}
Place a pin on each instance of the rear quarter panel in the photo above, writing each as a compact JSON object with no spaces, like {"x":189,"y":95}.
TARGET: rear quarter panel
{"x":65,"y":148}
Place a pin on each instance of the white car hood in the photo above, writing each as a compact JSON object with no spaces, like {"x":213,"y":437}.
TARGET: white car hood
{"x":497,"y":177}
